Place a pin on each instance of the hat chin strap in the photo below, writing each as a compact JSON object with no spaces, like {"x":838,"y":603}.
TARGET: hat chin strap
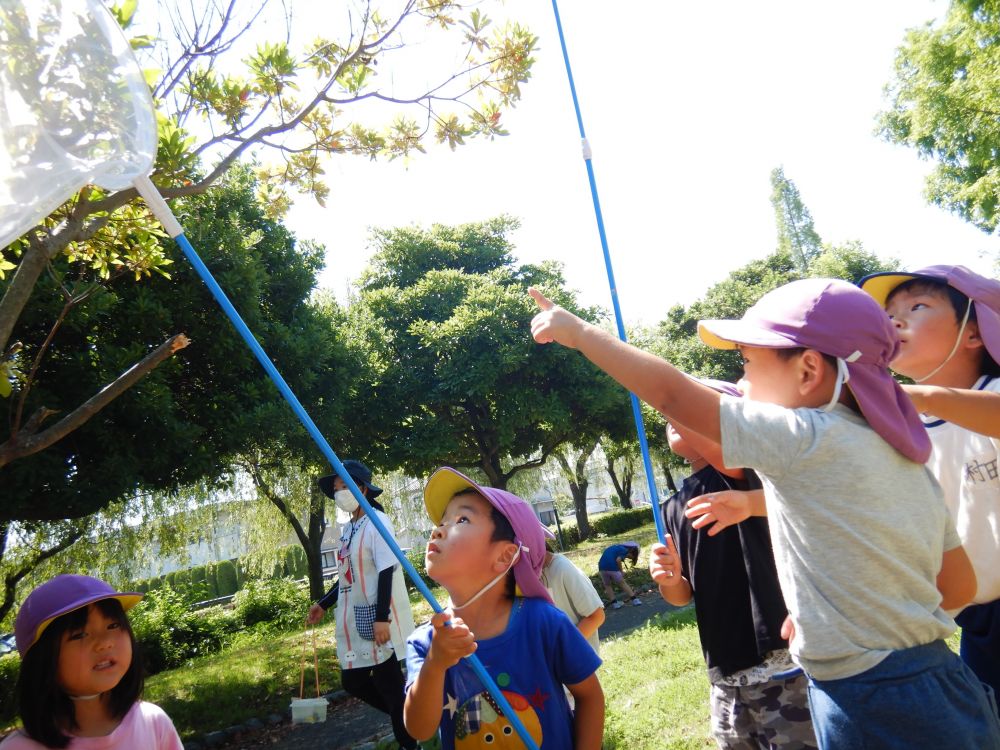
{"x":843,"y":375}
{"x":958,"y":341}
{"x":84,"y":697}
{"x":491,"y":584}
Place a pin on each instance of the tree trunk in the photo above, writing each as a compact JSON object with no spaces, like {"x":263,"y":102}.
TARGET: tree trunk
{"x":578,"y":484}
{"x":623,"y":486}
{"x":314,"y":547}
{"x":669,"y":477}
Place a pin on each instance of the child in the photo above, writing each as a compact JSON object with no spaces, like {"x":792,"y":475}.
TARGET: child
{"x":948,"y":320}
{"x":610,"y":568}
{"x":80,"y":681}
{"x":859,"y":529}
{"x":575,"y":595}
{"x":757,"y":695}
{"x":528,"y":646}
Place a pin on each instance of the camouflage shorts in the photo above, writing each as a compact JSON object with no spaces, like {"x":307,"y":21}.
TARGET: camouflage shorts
{"x":771,"y":715}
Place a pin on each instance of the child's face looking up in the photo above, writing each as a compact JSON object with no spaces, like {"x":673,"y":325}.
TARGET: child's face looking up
{"x":94,"y":658}
{"x":460,"y":547}
{"x":927,"y":326}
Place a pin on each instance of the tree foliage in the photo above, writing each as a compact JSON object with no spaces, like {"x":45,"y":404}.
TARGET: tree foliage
{"x":944,"y":101}
{"x":335,"y":96}
{"x":187,"y":418}
{"x":455,"y":377}
{"x":797,"y":236}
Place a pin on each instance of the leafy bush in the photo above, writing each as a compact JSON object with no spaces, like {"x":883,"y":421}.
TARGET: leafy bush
{"x":570,"y":536}
{"x":9,"y":666}
{"x":228,"y":581}
{"x":418,"y":560}
{"x":280,"y":602}
{"x":296,"y":564}
{"x":621,"y":521}
{"x":169,"y":633}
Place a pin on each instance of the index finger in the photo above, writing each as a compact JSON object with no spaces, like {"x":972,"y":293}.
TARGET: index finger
{"x":671,"y":546}
{"x":543,"y":302}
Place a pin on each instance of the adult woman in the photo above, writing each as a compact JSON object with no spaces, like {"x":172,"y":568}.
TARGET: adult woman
{"x":373,"y":614}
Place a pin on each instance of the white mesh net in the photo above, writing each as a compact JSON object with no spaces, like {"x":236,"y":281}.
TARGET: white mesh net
{"x":74,"y":108}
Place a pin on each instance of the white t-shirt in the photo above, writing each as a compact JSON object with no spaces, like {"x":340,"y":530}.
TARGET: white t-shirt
{"x":362,"y":556}
{"x":572,"y":592}
{"x":858,"y":532}
{"x":145,"y":726}
{"x":965,"y":463}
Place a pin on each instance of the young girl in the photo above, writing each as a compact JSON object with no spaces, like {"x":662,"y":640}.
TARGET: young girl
{"x":610,"y":568}
{"x":80,"y":686}
{"x":866,"y":554}
{"x":485,"y":536}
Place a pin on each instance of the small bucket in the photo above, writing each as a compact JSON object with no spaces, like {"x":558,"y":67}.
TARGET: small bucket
{"x":308,"y":710}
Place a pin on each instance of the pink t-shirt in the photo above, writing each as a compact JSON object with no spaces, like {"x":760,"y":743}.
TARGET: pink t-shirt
{"x":145,"y":726}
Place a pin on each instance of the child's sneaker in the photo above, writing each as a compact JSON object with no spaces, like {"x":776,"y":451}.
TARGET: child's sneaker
{"x":636,"y":602}
{"x":617,"y":604}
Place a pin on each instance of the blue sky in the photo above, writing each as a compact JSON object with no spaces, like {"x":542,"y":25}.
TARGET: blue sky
{"x":688,"y":108}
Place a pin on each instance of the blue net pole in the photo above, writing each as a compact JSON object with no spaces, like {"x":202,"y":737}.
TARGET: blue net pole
{"x":163,"y":213}
{"x":640,"y":426}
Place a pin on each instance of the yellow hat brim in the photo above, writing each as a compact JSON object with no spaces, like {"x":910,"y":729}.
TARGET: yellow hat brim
{"x":443,"y":485}
{"x":712,"y":340}
{"x":881,"y":286}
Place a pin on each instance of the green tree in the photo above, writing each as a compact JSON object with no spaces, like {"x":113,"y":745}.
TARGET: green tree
{"x":455,"y":377}
{"x":944,"y":101}
{"x":298,"y":106}
{"x":622,"y":459}
{"x":190,"y":415}
{"x":796,"y":234}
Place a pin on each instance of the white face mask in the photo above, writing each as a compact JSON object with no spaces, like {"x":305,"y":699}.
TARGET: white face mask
{"x":345,"y":500}
{"x":494,"y":582}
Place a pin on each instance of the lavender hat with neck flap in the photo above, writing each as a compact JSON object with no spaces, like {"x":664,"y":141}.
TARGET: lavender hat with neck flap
{"x":836,"y":318}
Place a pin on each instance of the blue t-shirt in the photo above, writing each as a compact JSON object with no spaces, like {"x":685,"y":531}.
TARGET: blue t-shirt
{"x":609,"y":558}
{"x":538,"y":653}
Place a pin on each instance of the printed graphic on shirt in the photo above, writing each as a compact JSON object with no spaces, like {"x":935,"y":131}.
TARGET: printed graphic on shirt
{"x":980,"y":472}
{"x":479,"y":722}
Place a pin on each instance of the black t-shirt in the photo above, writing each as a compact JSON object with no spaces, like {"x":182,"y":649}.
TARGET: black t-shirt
{"x":736,"y":595}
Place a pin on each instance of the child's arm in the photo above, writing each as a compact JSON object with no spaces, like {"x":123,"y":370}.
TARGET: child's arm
{"x":652,"y":379}
{"x":725,"y":509}
{"x":957,"y":579}
{"x":425,"y":698}
{"x":588,"y":625}
{"x":978,"y":411}
{"x":665,"y":568}
{"x":588,"y":719}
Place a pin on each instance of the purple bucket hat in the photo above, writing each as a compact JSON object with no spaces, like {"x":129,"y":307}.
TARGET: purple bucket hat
{"x":529,"y":532}
{"x":839,"y":319}
{"x":984,"y":293}
{"x":57,"y":597}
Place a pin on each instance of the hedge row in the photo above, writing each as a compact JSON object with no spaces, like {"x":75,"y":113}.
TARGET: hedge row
{"x":224,"y":578}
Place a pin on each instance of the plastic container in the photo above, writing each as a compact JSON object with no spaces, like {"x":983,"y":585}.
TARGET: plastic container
{"x":308,"y":710}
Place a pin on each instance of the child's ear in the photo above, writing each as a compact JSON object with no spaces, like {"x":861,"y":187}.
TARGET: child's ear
{"x":506,"y":557}
{"x":971,"y":338}
{"x":811,"y":371}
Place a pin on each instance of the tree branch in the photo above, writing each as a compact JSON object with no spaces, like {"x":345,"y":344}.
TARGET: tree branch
{"x":28,"y":441}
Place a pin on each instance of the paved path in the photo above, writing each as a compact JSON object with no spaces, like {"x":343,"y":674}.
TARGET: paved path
{"x":350,"y":722}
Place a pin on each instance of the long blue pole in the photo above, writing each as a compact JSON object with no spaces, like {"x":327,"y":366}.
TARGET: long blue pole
{"x":640,"y":426}
{"x":156,"y":203}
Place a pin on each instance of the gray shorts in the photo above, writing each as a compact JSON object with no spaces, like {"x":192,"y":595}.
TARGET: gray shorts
{"x":770,"y":715}
{"x":611,"y":576}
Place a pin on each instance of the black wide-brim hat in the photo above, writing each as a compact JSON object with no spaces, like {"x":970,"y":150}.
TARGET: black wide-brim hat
{"x":359,"y":473}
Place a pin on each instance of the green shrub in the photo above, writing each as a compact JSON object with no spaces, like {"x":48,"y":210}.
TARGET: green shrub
{"x":570,"y":536}
{"x":418,"y":559}
{"x":212,"y":580}
{"x":228,"y":580}
{"x":171,"y":579}
{"x":621,"y":521}
{"x":296,"y":564}
{"x":9,"y":666}
{"x":280,"y":602}
{"x":169,"y":633}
